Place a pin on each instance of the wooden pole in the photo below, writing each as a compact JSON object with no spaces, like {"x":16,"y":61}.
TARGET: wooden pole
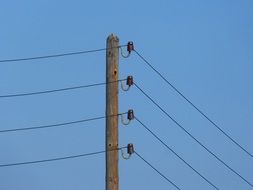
{"x":112,"y":60}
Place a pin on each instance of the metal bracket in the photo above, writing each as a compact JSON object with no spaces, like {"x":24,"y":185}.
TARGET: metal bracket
{"x":130,"y":48}
{"x":130,"y":116}
{"x":129,"y":83}
{"x":130,"y":151}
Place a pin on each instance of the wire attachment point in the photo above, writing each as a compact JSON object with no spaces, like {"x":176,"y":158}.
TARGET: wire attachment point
{"x":130,"y":148}
{"x":130,"y":116}
{"x":130,"y":151}
{"x":130,"y":48}
{"x":129,"y":83}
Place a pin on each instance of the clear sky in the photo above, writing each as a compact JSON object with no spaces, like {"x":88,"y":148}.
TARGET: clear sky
{"x":204,"y":48}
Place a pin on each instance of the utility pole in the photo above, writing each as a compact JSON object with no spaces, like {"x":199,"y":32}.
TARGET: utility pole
{"x":112,"y":61}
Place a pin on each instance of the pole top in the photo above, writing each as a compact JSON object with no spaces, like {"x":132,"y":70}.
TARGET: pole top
{"x":113,"y":37}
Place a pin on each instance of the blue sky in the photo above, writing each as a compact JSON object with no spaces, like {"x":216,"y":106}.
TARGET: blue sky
{"x":204,"y":48}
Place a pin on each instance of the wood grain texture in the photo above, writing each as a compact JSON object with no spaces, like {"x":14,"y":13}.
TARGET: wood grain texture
{"x":112,"y":61}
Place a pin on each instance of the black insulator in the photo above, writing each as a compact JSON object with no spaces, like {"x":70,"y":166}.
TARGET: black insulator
{"x":130,"y":47}
{"x":130,"y":81}
{"x":130,"y":149}
{"x":130,"y":114}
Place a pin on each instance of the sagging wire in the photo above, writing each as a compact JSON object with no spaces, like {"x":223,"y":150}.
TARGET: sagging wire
{"x":130,"y":151}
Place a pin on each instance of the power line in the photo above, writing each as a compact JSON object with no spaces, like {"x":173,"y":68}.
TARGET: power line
{"x":189,"y":134}
{"x":194,"y":106}
{"x":169,"y":148}
{"x":56,"y":159}
{"x":57,"y":125}
{"x":57,"y":90}
{"x":56,"y":55}
{"x":162,"y":175}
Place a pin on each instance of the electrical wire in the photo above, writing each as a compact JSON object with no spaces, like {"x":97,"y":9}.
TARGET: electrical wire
{"x":170,"y":149}
{"x":56,"y":159}
{"x":194,"y":106}
{"x":57,"y":55}
{"x":189,"y":134}
{"x":58,"y":90}
{"x":162,"y":175}
{"x":58,"y":124}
